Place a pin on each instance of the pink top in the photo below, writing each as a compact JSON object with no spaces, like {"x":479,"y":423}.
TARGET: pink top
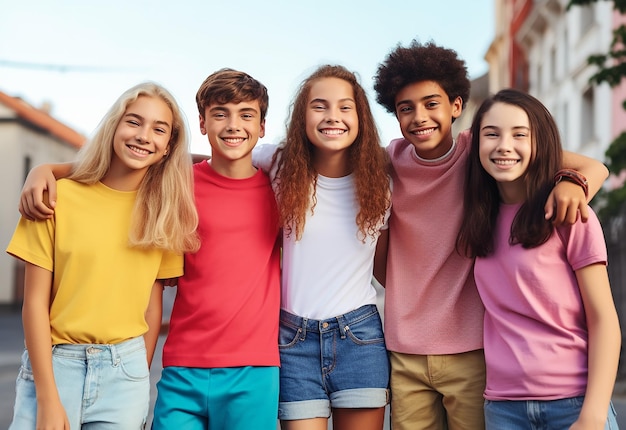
{"x":431,"y":303}
{"x":535,"y":327}
{"x":227,"y":304}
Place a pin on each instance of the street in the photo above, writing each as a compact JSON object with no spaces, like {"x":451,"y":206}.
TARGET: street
{"x":11,"y":346}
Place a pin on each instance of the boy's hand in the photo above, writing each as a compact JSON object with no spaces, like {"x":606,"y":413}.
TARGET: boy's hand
{"x":564,"y":203}
{"x":39,"y":194}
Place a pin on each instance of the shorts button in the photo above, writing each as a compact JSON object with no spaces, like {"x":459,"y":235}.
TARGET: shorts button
{"x":325,"y":325}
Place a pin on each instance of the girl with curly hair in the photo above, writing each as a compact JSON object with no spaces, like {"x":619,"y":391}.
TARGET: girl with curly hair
{"x":333,"y":191}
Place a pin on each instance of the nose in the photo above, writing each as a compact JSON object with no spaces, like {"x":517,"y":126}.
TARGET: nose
{"x":420,"y":116}
{"x":143,"y":135}
{"x":233,"y":125}
{"x":332,"y":115}
{"x":504,"y":144}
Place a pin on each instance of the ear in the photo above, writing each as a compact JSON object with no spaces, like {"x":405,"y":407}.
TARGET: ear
{"x":457,"y":107}
{"x":202,"y":128}
{"x":262,"y":130}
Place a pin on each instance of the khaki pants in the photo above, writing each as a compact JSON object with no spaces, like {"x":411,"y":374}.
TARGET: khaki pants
{"x":437,"y":391}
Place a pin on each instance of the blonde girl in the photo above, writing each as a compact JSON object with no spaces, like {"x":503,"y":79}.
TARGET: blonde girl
{"x":92,"y":293}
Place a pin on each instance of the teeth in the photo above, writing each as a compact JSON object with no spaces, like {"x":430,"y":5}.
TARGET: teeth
{"x":139,"y":150}
{"x":233,"y":140}
{"x":505,"y":162}
{"x":424,"y":131}
{"x":333,"y":131}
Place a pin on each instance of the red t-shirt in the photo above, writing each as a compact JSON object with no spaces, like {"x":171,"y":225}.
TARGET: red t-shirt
{"x":227,"y":304}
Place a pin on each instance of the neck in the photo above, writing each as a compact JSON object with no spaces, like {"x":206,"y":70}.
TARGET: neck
{"x":234,"y":169}
{"x":333,"y":165}
{"x":124,"y":181}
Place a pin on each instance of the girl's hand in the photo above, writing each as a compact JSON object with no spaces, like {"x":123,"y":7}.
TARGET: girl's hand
{"x":52,"y":416}
{"x":564,"y":203}
{"x":39,"y":194}
{"x":588,"y":424}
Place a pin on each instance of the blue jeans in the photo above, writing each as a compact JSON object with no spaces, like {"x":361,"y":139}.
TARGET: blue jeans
{"x":339,"y":362}
{"x":100,"y":386}
{"x":538,"y":414}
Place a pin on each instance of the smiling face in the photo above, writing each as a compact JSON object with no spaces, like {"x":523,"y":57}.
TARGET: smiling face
{"x":332,"y":122}
{"x":233,"y":129}
{"x":141,"y":138}
{"x":505,"y":149}
{"x":425,"y":114}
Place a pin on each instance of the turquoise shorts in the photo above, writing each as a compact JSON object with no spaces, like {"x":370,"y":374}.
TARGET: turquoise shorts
{"x":234,"y":398}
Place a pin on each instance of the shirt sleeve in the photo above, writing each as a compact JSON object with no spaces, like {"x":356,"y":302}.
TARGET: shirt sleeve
{"x":171,"y":266}
{"x":33,"y":242}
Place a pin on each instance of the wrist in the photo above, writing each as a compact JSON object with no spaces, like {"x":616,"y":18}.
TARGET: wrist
{"x":574,"y":177}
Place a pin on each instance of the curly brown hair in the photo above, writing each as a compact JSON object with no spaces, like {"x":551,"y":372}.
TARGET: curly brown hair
{"x":416,"y":63}
{"x":297,"y":178}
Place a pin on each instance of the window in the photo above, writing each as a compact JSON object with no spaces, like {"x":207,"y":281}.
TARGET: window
{"x":587,"y":119}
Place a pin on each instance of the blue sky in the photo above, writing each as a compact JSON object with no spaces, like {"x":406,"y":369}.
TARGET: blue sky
{"x":79,"y":55}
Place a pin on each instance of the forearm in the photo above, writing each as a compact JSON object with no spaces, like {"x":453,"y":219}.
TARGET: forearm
{"x":60,"y":170}
{"x":380,"y":257}
{"x":154,"y":315}
{"x":595,"y":171}
{"x":604,"y":348}
{"x":37,"y":335}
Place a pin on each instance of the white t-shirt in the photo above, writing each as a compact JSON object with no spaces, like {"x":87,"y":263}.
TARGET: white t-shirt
{"x":328,"y":272}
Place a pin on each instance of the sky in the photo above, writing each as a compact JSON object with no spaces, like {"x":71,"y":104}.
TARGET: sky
{"x":78,"y":56}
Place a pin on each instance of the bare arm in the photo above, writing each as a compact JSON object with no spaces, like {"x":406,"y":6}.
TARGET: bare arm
{"x":36,"y":320}
{"x":39,"y":193}
{"x":154,"y":315}
{"x":566,"y":199}
{"x":380,"y":258}
{"x":603,"y":344}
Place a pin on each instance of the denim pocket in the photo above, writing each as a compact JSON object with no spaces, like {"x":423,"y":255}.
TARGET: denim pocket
{"x":288,"y":335}
{"x":366,"y":332}
{"x":135,"y":366}
{"x":26,"y":370}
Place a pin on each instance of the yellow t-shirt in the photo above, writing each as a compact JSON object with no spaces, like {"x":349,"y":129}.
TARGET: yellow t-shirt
{"x":101,"y":286}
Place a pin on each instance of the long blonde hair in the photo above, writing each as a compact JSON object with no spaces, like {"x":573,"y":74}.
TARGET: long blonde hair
{"x":164,"y":215}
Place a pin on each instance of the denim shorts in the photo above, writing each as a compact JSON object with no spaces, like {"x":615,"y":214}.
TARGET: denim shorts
{"x":339,"y":362}
{"x":105,"y":386}
{"x":538,"y":414}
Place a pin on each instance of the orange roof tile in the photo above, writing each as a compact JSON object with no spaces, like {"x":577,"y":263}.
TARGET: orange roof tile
{"x":43,"y":120}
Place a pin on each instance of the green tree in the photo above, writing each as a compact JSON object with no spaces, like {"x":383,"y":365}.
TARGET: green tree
{"x":611,"y":69}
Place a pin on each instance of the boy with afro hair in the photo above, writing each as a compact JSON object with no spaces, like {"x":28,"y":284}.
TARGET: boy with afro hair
{"x":433,"y":313}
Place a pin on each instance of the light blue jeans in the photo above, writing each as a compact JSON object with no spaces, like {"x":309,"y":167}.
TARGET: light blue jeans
{"x":538,"y":415}
{"x":100,"y":386}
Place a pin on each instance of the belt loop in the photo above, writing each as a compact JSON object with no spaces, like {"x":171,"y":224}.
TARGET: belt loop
{"x":115,"y":356}
{"x":343,"y":326}
{"x":303,"y":328}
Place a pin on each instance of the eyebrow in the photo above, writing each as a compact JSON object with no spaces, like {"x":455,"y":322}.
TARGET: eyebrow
{"x":224,"y":109}
{"x":428,"y":97}
{"x":517,"y":127}
{"x":320,"y":100}
{"x":134,"y":115}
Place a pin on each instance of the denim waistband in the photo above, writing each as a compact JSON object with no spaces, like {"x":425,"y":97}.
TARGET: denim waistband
{"x":90,"y":351}
{"x":341,"y":322}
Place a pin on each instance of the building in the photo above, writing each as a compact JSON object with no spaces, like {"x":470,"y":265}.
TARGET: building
{"x":28,"y":136}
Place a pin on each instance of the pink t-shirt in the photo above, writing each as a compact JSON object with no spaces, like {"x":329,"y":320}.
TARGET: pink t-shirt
{"x":535,"y":327}
{"x":227,"y":304}
{"x":431,"y":303}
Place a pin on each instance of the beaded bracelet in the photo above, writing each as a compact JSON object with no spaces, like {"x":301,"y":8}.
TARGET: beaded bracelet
{"x":573,"y":176}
